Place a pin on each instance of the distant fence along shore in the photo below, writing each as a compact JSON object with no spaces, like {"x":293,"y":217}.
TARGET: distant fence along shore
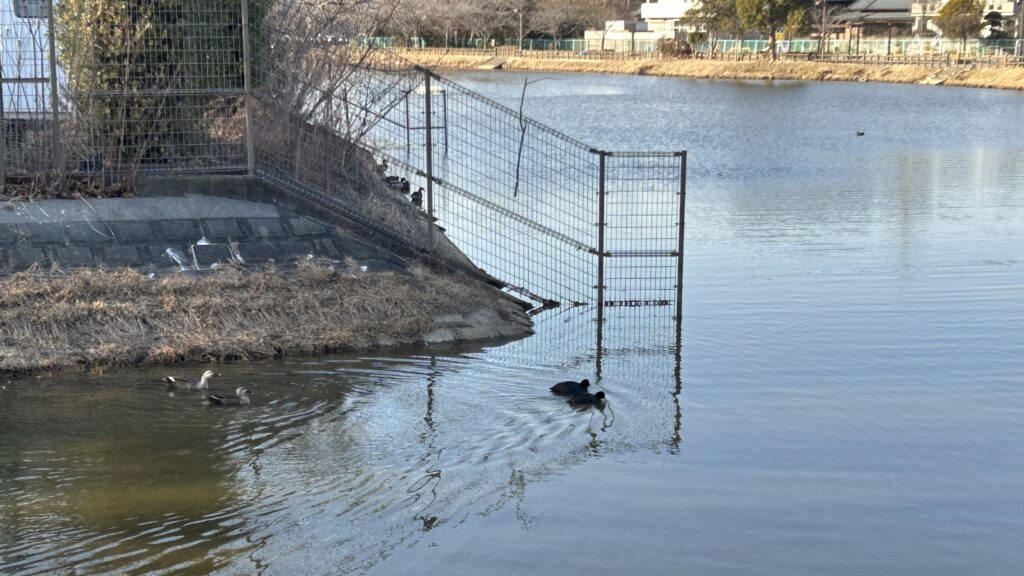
{"x":949,"y":69}
{"x":870,"y":45}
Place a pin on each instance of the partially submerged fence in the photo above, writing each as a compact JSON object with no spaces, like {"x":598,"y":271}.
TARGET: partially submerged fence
{"x":251,"y":87}
{"x":560,"y":221}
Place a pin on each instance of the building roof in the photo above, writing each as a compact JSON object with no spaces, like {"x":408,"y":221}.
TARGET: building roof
{"x":878,"y":11}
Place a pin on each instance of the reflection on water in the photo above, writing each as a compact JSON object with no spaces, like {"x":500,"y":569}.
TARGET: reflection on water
{"x":846,"y":399}
{"x":339,"y":461}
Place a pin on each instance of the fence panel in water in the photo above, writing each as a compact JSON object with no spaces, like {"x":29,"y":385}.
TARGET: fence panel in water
{"x":643,"y":227}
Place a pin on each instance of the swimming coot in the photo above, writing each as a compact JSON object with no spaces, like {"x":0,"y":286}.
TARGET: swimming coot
{"x":586,"y":399}
{"x":570,"y":387}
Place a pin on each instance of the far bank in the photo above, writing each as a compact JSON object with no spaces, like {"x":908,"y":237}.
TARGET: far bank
{"x":1002,"y":78}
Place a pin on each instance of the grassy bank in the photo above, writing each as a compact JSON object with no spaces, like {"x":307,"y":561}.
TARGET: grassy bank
{"x":93,"y":318}
{"x":1005,"y":78}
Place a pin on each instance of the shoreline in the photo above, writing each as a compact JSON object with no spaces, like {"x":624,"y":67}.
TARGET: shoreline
{"x":94,"y":319}
{"x":996,"y":78}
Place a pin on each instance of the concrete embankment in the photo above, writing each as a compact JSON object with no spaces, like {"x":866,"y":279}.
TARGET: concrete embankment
{"x":92,"y":283}
{"x":1004,"y":78}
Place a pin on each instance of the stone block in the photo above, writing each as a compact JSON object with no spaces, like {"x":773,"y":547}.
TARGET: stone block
{"x":73,"y":257}
{"x":22,"y":257}
{"x":120,"y":256}
{"x":449,"y":320}
{"x":355,"y":248}
{"x":439,"y":336}
{"x":223,"y":229}
{"x":305,"y":227}
{"x":294,"y":249}
{"x":95,"y":232}
{"x":484,"y":317}
{"x":158,"y":255}
{"x":34,"y":233}
{"x":381,"y":265}
{"x":478,"y":333}
{"x":129,"y":231}
{"x":207,"y":255}
{"x":257,"y":252}
{"x":325,"y":248}
{"x":176,"y":230}
{"x":267,"y":227}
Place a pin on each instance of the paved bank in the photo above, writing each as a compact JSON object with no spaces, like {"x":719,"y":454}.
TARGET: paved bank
{"x":1003,"y":78}
{"x":95,"y":283}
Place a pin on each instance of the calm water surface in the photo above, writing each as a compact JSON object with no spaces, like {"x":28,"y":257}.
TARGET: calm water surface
{"x":848,"y":399}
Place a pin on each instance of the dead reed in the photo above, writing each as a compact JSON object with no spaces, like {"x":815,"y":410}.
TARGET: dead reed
{"x":1005,"y":78}
{"x":98,"y":318}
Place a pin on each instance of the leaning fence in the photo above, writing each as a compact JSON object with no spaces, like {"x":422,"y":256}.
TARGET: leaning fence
{"x":253,"y":88}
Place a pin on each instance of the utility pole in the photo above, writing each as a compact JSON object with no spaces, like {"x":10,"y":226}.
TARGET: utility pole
{"x":520,"y":12}
{"x":1020,"y":28}
{"x":822,"y":39}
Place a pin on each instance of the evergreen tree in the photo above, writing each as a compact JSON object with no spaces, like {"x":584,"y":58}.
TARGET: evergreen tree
{"x":961,"y":19}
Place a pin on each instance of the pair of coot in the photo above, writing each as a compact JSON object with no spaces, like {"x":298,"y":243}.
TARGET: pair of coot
{"x":577,"y":393}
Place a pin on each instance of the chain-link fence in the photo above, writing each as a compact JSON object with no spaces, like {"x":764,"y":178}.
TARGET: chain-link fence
{"x":259,"y":88}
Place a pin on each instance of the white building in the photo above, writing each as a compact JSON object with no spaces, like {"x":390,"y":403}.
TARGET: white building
{"x":659,"y":20}
{"x":665,"y":16}
{"x":924,"y":11}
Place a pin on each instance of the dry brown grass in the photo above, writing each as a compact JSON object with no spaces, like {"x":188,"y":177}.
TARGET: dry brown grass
{"x":1006,"y":78}
{"x":94,"y":318}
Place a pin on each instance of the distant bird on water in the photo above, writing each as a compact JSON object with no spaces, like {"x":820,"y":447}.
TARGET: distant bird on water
{"x":570,"y":387}
{"x":859,"y":133}
{"x":239,"y":398}
{"x":178,"y":383}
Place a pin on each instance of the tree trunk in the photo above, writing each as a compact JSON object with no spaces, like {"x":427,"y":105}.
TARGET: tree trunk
{"x":771,"y":44}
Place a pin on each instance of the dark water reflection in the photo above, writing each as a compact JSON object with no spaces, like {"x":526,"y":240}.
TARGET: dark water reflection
{"x":848,"y":399}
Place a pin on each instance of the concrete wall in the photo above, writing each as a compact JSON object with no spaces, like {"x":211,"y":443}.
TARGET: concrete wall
{"x":187,"y":231}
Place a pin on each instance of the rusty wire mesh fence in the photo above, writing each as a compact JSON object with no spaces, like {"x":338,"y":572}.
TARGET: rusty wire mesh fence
{"x":154,"y":86}
{"x":26,"y":88}
{"x":255,"y":88}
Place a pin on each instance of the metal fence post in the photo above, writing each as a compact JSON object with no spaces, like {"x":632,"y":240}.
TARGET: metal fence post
{"x":58,"y":155}
{"x":682,"y":232}
{"x":429,"y":162}
{"x":3,"y":136}
{"x":600,"y":236}
{"x":250,"y":147}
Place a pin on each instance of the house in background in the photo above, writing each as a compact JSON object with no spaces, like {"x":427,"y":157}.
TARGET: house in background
{"x":665,"y":16}
{"x":1002,"y":17}
{"x":877,"y":18}
{"x":657,"y":20}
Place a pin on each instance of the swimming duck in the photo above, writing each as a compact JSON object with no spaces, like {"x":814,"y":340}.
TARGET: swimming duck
{"x":859,"y":133}
{"x":178,"y":383}
{"x":570,"y":387}
{"x":586,"y":399}
{"x":239,"y":398}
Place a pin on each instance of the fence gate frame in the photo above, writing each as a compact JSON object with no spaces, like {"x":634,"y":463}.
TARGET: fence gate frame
{"x":676,"y":252}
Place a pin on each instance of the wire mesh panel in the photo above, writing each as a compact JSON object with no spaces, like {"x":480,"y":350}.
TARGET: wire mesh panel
{"x":643,"y":227}
{"x":518,"y":197}
{"x":153,"y":85}
{"x":25,"y":81}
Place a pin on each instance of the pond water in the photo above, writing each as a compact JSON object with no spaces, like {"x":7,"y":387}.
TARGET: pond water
{"x":847,"y":397}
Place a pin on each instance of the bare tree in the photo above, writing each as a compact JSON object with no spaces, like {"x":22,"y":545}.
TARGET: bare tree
{"x":823,"y":17}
